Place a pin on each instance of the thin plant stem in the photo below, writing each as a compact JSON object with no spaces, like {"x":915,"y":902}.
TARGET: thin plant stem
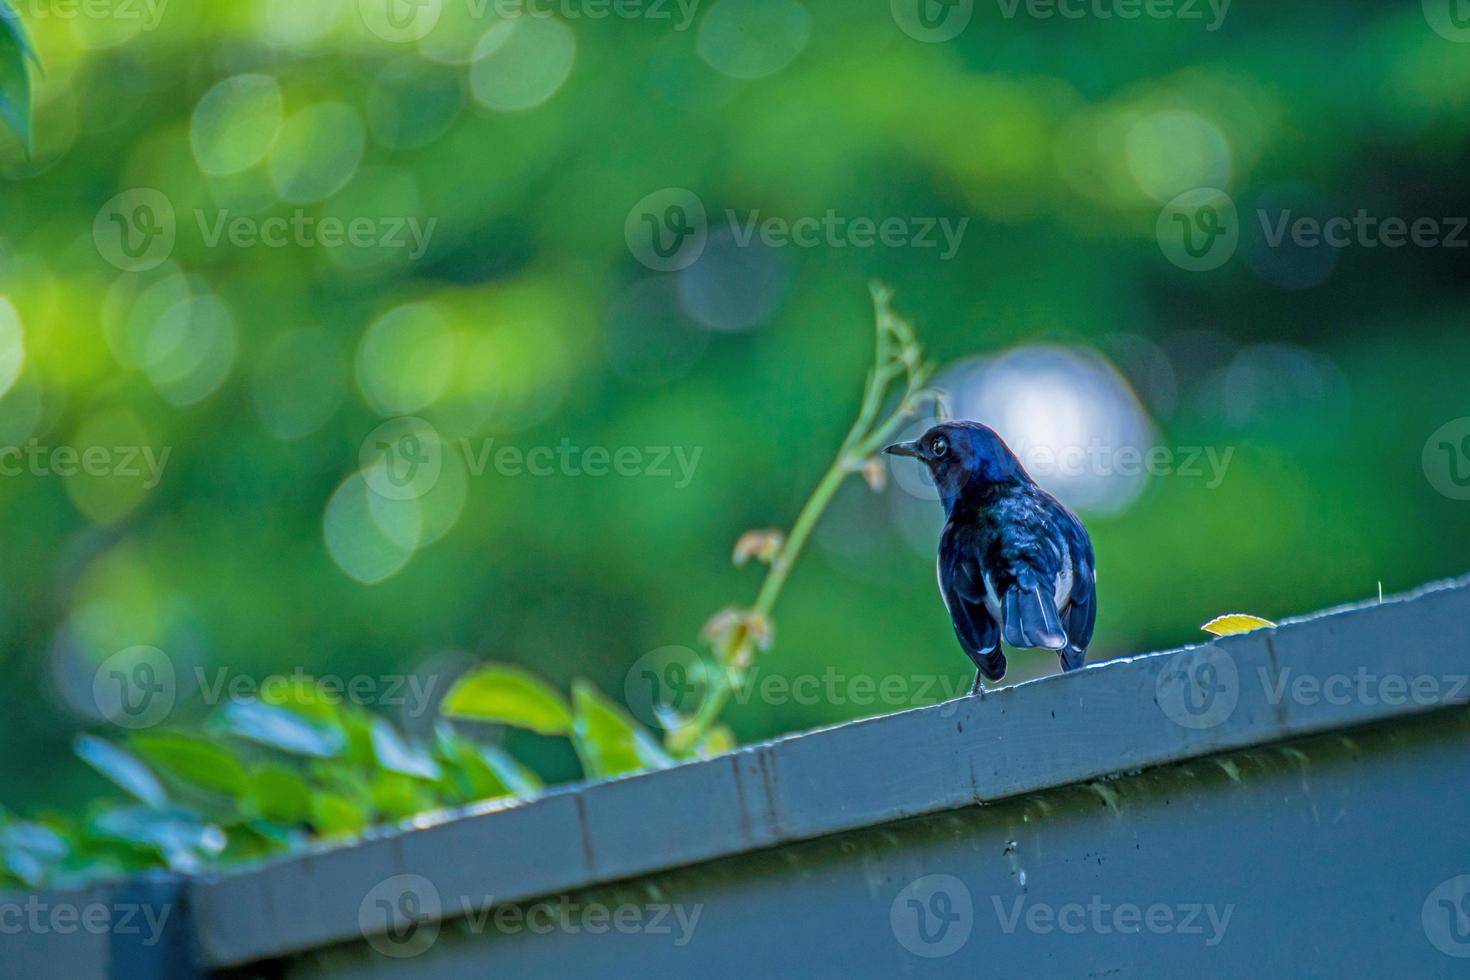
{"x":865,"y":438}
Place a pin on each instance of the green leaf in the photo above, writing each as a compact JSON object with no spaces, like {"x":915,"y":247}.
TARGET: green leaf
{"x":517,"y":778}
{"x":1233,"y":623}
{"x":608,"y":742}
{"x":334,"y":815}
{"x":179,"y":835}
{"x":510,"y":696}
{"x":195,"y":760}
{"x":279,"y":793}
{"x":15,"y":81}
{"x":397,"y":796}
{"x":396,"y":755}
{"x":30,"y":851}
{"x":279,"y":728}
{"x":481,"y":772}
{"x":122,"y":767}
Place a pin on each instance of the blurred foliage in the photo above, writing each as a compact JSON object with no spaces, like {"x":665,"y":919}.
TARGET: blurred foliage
{"x":260,"y":778}
{"x":254,"y":373}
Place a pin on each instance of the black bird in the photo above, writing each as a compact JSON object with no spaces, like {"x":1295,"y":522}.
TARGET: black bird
{"x":1014,"y":564}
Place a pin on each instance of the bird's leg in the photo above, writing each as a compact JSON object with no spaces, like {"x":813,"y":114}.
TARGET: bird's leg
{"x":978,"y":690}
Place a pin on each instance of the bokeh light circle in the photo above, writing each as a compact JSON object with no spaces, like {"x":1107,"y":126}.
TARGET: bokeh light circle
{"x":317,"y":152}
{"x":235,"y":123}
{"x":405,"y":359}
{"x":402,"y":458}
{"x":522,"y":62}
{"x":753,"y":38}
{"x":369,"y":538}
{"x":12,"y":345}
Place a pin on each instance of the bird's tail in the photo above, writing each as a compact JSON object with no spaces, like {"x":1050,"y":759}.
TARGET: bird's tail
{"x":1031,"y":617}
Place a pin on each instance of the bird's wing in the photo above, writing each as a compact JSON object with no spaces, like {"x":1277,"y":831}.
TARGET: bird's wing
{"x":1026,"y":567}
{"x":963,"y":589}
{"x":1081,"y":612}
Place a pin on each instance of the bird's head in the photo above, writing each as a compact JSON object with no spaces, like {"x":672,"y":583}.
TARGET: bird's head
{"x":962,"y":455}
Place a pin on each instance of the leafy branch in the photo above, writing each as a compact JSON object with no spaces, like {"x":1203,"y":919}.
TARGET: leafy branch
{"x":898,"y":372}
{"x":607,"y":740}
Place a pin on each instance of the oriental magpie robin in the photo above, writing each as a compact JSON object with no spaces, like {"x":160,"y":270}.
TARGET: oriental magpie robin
{"x":1014,"y":564}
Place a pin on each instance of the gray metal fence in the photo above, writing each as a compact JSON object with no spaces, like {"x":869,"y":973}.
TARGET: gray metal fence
{"x":1288,"y":802}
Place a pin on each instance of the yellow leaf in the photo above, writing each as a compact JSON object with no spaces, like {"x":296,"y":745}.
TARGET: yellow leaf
{"x":1233,"y":623}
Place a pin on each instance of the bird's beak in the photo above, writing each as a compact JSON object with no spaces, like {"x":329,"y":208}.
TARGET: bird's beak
{"x":905,"y":449}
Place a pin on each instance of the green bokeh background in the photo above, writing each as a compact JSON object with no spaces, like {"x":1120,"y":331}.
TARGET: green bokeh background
{"x":1059,"y":140}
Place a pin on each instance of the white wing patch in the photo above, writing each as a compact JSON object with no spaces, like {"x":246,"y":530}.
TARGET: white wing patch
{"x":1064,"y":586}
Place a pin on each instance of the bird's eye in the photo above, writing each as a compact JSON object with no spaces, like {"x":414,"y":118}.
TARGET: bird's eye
{"x":939,"y":447}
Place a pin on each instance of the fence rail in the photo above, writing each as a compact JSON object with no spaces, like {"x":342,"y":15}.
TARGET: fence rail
{"x":1293,"y":797}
